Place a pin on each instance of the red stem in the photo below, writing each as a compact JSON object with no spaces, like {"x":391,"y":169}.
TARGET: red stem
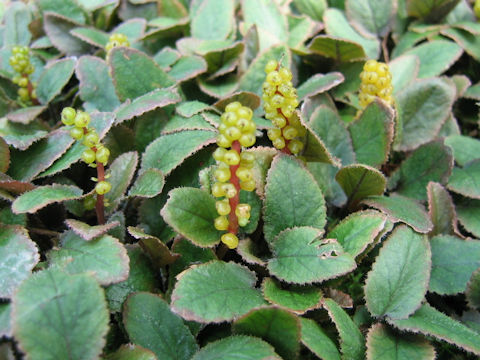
{"x":30,"y":90}
{"x":234,"y":201}
{"x":99,"y":207}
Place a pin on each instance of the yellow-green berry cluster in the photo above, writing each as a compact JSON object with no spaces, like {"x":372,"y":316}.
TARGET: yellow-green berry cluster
{"x":96,"y":153}
{"x":279,"y":102}
{"x":234,"y":170}
{"x":115,"y":40}
{"x":476,"y":9}
{"x":376,"y":82}
{"x":20,"y":62}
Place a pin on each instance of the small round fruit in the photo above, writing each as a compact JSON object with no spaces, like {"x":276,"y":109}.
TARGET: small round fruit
{"x":221,"y":223}
{"x":82,"y":119}
{"x":247,"y":140}
{"x":231,"y":158}
{"x":223,"y":141}
{"x":102,"y":155}
{"x":247,"y":185}
{"x":88,"y":156}
{"x":223,"y":207}
{"x":233,"y":106}
{"x":91,"y":139}
{"x":218,"y":190}
{"x":222,"y":174}
{"x":219,"y":153}
{"x":76,"y":133}
{"x":229,"y":190}
{"x":68,"y":116}
{"x":271,"y":66}
{"x":230,"y":240}
{"x":103,"y":187}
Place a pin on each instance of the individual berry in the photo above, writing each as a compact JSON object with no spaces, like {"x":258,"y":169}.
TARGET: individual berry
{"x":233,"y":106}
{"x":247,"y":185}
{"x":244,"y":174}
{"x":82,"y":119}
{"x":76,"y":133}
{"x":246,"y":157}
{"x":23,"y":94}
{"x":219,"y":153}
{"x":229,"y":190}
{"x":68,"y":116}
{"x":88,"y":156}
{"x":271,"y":66}
{"x":223,"y":207}
{"x":221,"y":223}
{"x":222,"y":174}
{"x":274,"y":78}
{"x":233,"y":133}
{"x":103,"y":187}
{"x":223,"y":141}
{"x":91,"y":139}
{"x":243,"y":221}
{"x":279,"y":143}
{"x":247,"y":140}
{"x":23,"y":82}
{"x":231,"y":158}
{"x":295,"y":146}
{"x":229,"y":239}
{"x":102,"y":155}
{"x":243,"y":211}
{"x":218,"y":190}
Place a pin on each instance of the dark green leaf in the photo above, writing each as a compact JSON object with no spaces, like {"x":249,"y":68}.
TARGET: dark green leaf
{"x":148,"y":184}
{"x":315,"y":339}
{"x":342,"y":50}
{"x":398,"y":281}
{"x":441,"y":210}
{"x":121,"y":174}
{"x":466,"y":180}
{"x":73,"y":326}
{"x":319,"y":83}
{"x":468,"y":212}
{"x":150,"y":323}
{"x":33,"y":200}
{"x":215,"y":292}
{"x":212,"y":20}
{"x":87,"y":232}
{"x":54,"y":78}
{"x":465,"y":148}
{"x":371,"y":17}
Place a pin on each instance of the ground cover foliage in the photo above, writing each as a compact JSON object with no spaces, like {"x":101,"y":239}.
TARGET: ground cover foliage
{"x":364,"y":246}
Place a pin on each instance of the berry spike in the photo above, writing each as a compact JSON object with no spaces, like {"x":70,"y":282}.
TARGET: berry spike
{"x":376,"y":82}
{"x":279,"y":102}
{"x":234,"y":171}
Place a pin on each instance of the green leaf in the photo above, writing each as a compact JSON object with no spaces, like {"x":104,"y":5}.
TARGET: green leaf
{"x":188,"y":67}
{"x":189,"y":108}
{"x":57,"y":27}
{"x":254,"y":76}
{"x":430,"y":10}
{"x":372,"y":134}
{"x":73,"y":326}
{"x":311,"y":8}
{"x":466,"y":180}
{"x":473,"y":290}
{"x":301,"y":29}
{"x":105,"y":257}
{"x":357,"y":231}
{"x":423,"y":107}
{"x":465,"y":148}
{"x":371,"y":17}
{"x":450,"y":274}
{"x":191,"y":212}
{"x":215,"y":292}
{"x":96,"y":86}
{"x":404,"y":70}
{"x":32,"y":201}
{"x":141,"y":277}
{"x":133,"y":29}
{"x":317,"y":341}
{"x":469,"y":42}
{"x":352,"y":342}
{"x":26,"y":165}
{"x":25,"y":115}
{"x":17,"y":17}
{"x":270,"y":21}
{"x":301,"y":257}
{"x":435,"y":56}
{"x":143,"y":314}
{"x":220,"y":87}
{"x":121,"y":174}
{"x":212,"y":20}
{"x":237,"y":348}
{"x":19,"y":255}
{"x":155,"y":99}
{"x":170,"y":150}
{"x":431,"y":322}
{"x":330,"y":128}
{"x":292,"y":198}
{"x":398,"y":281}
{"x":278,"y":327}
{"x":5,"y":316}
{"x":360,"y":181}
{"x":342,"y":50}
{"x":135,"y":73}
{"x":154,"y":247}
{"x":21,"y":136}
{"x":429,"y":162}
{"x":324,"y":175}
{"x":336,"y":24}
{"x":468,"y":212}
{"x":441,"y":210}
{"x":102,"y":123}
{"x":87,"y":232}
{"x":297,"y":299}
{"x":66,"y":8}
{"x":148,"y":184}
{"x":4,"y":156}
{"x":315,"y":150}
{"x":91,"y":36}
{"x":131,"y":352}
{"x":384,"y":344}
{"x":319,"y":83}
{"x":403,"y":209}
{"x":54,"y":77}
